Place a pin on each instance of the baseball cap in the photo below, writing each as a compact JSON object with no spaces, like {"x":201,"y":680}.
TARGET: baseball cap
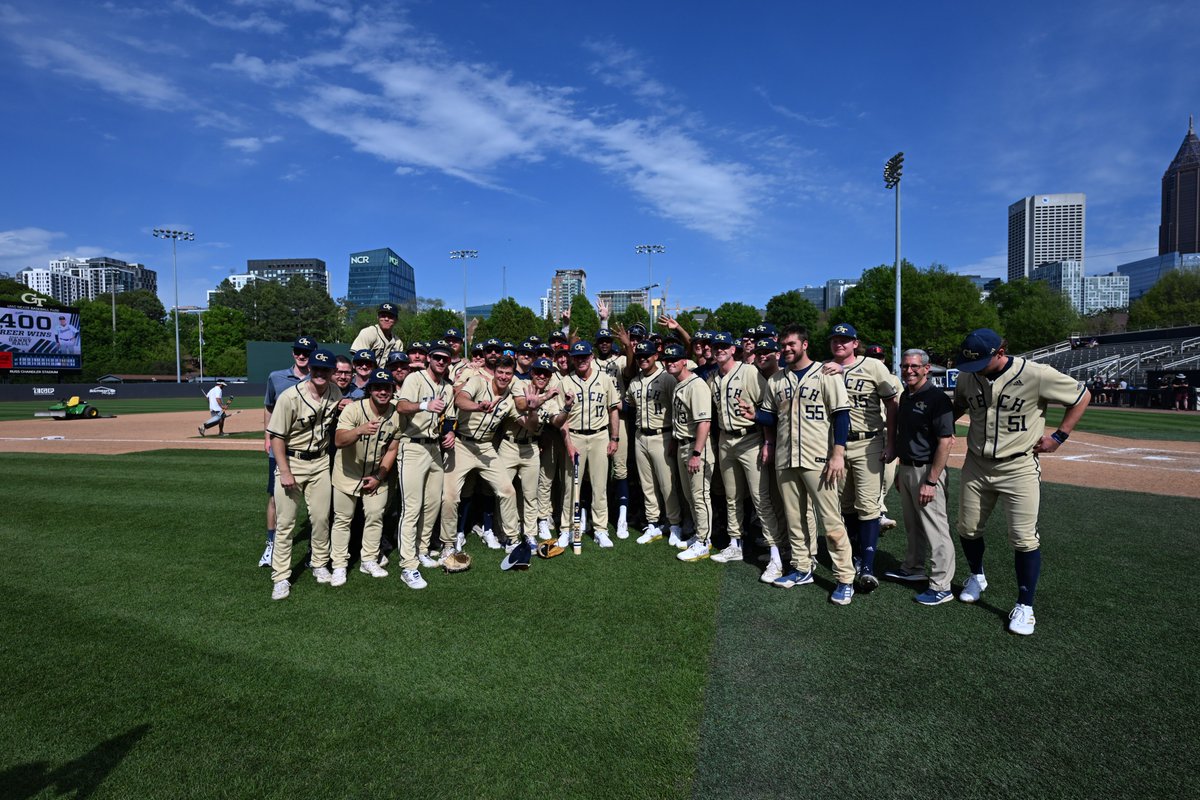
{"x":875,"y":351}
{"x":363,"y":355}
{"x":387,"y":310}
{"x":581,"y":348}
{"x":766,"y":346}
{"x":509,"y":348}
{"x":321,"y":359}
{"x":977,"y":349}
{"x":452,"y":333}
{"x":493,"y":344}
{"x":441,"y":347}
{"x":646,"y":348}
{"x":843,"y":329}
{"x":557,"y":336}
{"x":750,"y":333}
{"x":673,"y":352}
{"x":305,"y":343}
{"x":722,"y":339}
{"x":765,"y":330}
{"x":543,"y":348}
{"x":477,"y":348}
{"x":655,"y":337}
{"x":702,"y":336}
{"x":381,"y":376}
{"x":525,"y":348}
{"x":637,"y":329}
{"x":604,"y":333}
{"x":417,"y":347}
{"x":397,"y":358}
{"x":543,"y":364}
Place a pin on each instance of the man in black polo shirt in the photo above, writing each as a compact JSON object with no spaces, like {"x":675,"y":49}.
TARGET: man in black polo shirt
{"x":924,"y":434}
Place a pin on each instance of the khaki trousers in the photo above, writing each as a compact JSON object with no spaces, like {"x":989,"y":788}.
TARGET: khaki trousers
{"x":864,"y":477}
{"x":314,"y":488}
{"x":593,"y":462}
{"x":374,"y":507}
{"x":521,"y":461}
{"x":744,"y":477}
{"x":553,"y":454}
{"x":656,"y":475}
{"x":620,"y":458}
{"x":1016,"y":484}
{"x":889,"y":479}
{"x":927,"y":526}
{"x":470,"y":457}
{"x":803,"y":494}
{"x":697,"y":489}
{"x":421,"y":475}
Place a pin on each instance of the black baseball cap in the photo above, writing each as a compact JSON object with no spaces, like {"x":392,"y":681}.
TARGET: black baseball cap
{"x":305,"y":343}
{"x":977,"y":349}
{"x":387,"y":310}
{"x":843,"y":329}
{"x":381,"y":376}
{"x":673,"y":352}
{"x":321,"y":359}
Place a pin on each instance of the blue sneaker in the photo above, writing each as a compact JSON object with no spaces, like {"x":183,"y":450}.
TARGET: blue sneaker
{"x":929,"y":597}
{"x":793,"y":578}
{"x":842,"y":594}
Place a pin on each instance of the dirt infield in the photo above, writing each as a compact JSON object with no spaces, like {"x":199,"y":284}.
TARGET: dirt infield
{"x":1106,"y":462}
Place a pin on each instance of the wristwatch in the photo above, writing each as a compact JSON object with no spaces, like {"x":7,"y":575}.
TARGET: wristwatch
{"x":696,"y":453}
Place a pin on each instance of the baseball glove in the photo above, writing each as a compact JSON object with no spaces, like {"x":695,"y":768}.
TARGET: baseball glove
{"x":549,"y":550}
{"x":456,"y":562}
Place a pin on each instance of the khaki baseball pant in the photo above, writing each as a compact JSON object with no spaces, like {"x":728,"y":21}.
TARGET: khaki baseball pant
{"x":314,"y":488}
{"x":1016,"y":483}
{"x":928,"y":527}
{"x":470,"y":457}
{"x":889,"y":479}
{"x":807,"y":499}
{"x":864,"y":478}
{"x":553,"y":454}
{"x":697,"y":489}
{"x":621,"y":457}
{"x":656,"y":475}
{"x":593,"y":462}
{"x":374,"y":507}
{"x":743,"y":476}
{"x":521,"y":461}
{"x":421,"y":475}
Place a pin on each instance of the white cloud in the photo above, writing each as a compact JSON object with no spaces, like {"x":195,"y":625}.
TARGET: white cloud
{"x":623,"y":68}
{"x":990,"y":267}
{"x":35,"y":247}
{"x":118,"y":77}
{"x":252,"y":144}
{"x":816,"y":122}
{"x":255,"y":22}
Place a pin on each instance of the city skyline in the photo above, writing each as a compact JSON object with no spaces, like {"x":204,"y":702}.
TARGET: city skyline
{"x":562,"y":139}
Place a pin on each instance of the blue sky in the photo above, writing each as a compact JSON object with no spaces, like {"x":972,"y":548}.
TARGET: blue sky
{"x":748,"y":139}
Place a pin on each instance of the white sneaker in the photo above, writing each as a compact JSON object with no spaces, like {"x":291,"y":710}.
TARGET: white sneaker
{"x":383,"y":559}
{"x":413,"y":579}
{"x":686,"y":543}
{"x":675,"y":539}
{"x":697,"y":552}
{"x":281,"y":591}
{"x":973,"y":588}
{"x":460,"y":541}
{"x":652,"y":534}
{"x":677,"y":532}
{"x":322,"y":574}
{"x":772,"y":573}
{"x":544,"y":530}
{"x":603,"y":540}
{"x":731,"y":553}
{"x":508,"y":548}
{"x":1020,"y":620}
{"x":372,"y":568}
{"x":429,"y":562}
{"x":265,"y":561}
{"x":564,"y":539}
{"x":531,"y":540}
{"x":622,"y":530}
{"x":489,"y":538}
{"x":886,"y":523}
{"x":339,"y":577}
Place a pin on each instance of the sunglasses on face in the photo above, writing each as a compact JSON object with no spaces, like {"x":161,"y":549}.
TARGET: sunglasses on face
{"x":439,"y":358}
{"x":299,"y":353}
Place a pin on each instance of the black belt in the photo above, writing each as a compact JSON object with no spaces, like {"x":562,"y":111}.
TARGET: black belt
{"x":651,"y":431}
{"x":473,"y":439}
{"x":421,"y":439}
{"x":589,"y":433}
{"x":305,"y":456}
{"x":1007,"y":458}
{"x":908,"y":463}
{"x":738,"y":433}
{"x":511,"y":438}
{"x":858,"y":437}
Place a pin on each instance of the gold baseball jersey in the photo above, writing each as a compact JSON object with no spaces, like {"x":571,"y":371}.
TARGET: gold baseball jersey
{"x":650,"y":396}
{"x":744,"y":382}
{"x":482,"y":425}
{"x":382,"y":345}
{"x":512,"y":425}
{"x":361,"y":458}
{"x":804,"y":409}
{"x":613,"y":366}
{"x":304,"y":423}
{"x":1008,"y":411}
{"x":691,"y":403}
{"x":868,"y":383}
{"x":594,"y":398}
{"x":418,"y":388}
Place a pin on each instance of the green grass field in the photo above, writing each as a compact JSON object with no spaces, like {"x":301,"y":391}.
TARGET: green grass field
{"x":144,"y":659}
{"x":24,"y":409}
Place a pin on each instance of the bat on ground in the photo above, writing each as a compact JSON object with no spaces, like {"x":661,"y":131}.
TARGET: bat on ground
{"x":576,"y":520}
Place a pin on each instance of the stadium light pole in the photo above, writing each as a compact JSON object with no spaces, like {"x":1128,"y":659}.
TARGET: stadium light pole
{"x":175,"y":236}
{"x":649,"y":250}
{"x":464,"y":255}
{"x":891,"y":179}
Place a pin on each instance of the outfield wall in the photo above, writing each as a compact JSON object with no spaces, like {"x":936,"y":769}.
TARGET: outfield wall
{"x":139,"y":391}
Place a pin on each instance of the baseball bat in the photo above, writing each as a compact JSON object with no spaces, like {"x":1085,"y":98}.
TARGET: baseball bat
{"x":576,"y":521}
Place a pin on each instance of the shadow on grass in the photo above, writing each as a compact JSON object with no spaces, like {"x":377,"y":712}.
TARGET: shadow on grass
{"x":82,"y":776}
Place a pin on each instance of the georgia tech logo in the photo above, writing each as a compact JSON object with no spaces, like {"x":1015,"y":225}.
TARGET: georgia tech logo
{"x":304,"y":340}
{"x":971,"y":354}
{"x":33,"y":299}
{"x":841,"y":329}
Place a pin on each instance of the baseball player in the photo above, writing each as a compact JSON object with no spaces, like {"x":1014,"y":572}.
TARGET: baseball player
{"x":366,"y":439}
{"x":363,"y":363}
{"x":299,"y":430}
{"x":924,"y":434}
{"x":426,"y":403}
{"x":871,"y":444}
{"x":380,"y":338}
{"x":648,"y":399}
{"x":66,"y":336}
{"x":690,"y":425}
{"x":554,"y":462}
{"x":277,"y":382}
{"x":739,"y":446}
{"x":812,"y":424}
{"x":399,"y":365}
{"x":618,"y":367}
{"x":1005,"y":399}
{"x":886,"y":523}
{"x":218,"y":407}
{"x":417,"y":353}
{"x":521,"y":436}
{"x":592,"y":432}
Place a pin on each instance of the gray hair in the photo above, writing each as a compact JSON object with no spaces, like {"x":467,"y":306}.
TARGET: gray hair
{"x":919,"y":353}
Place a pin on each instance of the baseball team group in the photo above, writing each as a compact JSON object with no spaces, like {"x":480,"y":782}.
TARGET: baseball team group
{"x":409,"y":440}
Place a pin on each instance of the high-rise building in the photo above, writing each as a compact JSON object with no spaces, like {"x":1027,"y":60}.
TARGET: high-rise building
{"x":1179,"y":231}
{"x":70,"y":280}
{"x":620,"y":300}
{"x":380,"y":276}
{"x":814,"y":295}
{"x":1146,"y":272}
{"x":544,"y":306}
{"x":1065,"y":277}
{"x":565,"y":284}
{"x":1045,"y":228}
{"x":1087,"y":295}
{"x":835,"y":292}
{"x":282,"y":270}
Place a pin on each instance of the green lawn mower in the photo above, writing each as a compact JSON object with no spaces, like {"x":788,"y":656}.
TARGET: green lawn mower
{"x":74,"y":408}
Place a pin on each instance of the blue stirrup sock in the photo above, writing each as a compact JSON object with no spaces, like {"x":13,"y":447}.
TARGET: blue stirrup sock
{"x":852,"y":531}
{"x":973,"y":550}
{"x":1029,"y":567}
{"x":868,"y":538}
